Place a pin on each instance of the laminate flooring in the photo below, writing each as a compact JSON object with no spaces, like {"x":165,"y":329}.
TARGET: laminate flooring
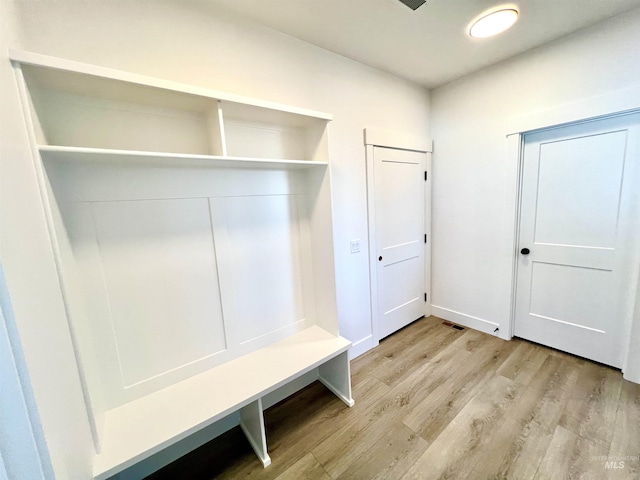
{"x":436,"y":402}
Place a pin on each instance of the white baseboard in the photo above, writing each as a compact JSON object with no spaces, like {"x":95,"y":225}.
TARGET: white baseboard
{"x":470,"y":321}
{"x":362,"y":346}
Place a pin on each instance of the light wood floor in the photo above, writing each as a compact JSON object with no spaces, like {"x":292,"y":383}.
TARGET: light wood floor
{"x":435,"y":402}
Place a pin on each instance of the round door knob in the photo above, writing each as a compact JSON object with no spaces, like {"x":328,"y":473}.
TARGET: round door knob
{"x":525,"y":251}
{"x":380,"y":258}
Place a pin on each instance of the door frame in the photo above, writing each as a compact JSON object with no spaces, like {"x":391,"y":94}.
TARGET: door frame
{"x":613,"y":104}
{"x":375,"y":137}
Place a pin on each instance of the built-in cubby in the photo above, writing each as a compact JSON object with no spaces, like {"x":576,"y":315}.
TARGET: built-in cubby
{"x":78,"y":110}
{"x":192,"y":236}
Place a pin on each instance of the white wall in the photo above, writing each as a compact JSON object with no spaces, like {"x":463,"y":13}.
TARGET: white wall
{"x":472,"y":203}
{"x":21,"y":440}
{"x":192,"y":43}
{"x":37,"y":307}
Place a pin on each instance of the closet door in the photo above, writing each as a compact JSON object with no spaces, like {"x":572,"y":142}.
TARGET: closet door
{"x":399,"y":193}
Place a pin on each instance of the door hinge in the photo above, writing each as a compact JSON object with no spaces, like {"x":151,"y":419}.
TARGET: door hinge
{"x":425,"y":297}
{"x":425,"y":175}
{"x":425,"y":238}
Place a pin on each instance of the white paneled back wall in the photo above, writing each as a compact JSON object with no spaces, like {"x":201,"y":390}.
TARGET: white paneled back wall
{"x":225,"y":252}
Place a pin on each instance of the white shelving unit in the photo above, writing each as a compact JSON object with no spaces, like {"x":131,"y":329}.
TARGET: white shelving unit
{"x":192,"y":236}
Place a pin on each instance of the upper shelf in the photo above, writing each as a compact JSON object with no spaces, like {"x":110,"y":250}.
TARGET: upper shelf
{"x":60,"y":153}
{"x":77,"y":105}
{"x":95,"y":81}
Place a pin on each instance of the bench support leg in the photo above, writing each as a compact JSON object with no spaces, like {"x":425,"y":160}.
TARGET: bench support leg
{"x":252,"y":424}
{"x":336,"y":376}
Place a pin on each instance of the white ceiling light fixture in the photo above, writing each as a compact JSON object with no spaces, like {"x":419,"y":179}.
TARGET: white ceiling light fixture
{"x":493,"y":22}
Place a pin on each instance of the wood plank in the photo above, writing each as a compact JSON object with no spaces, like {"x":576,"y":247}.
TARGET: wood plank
{"x":465,"y":440}
{"x":593,"y":405}
{"x":523,"y":455}
{"x":307,"y":467}
{"x":561,"y":388}
{"x":414,"y":353}
{"x":390,"y":456}
{"x":362,"y":366}
{"x":524,"y":363}
{"x":571,"y":456}
{"x":472,"y":340}
{"x":431,"y":416}
{"x":625,"y":441}
{"x":337,"y":450}
{"x":518,"y":445}
{"x":431,"y":375}
{"x":304,"y":418}
{"x":417,"y":332}
{"x":382,"y":413}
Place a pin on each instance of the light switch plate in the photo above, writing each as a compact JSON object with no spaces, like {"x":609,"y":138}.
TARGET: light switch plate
{"x":355,"y":246}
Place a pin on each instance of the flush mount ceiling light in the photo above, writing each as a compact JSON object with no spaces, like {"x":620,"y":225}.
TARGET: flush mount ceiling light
{"x":493,"y":22}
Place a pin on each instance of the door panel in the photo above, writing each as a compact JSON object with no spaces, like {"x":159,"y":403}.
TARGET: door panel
{"x":579,"y":187}
{"x":577,"y":218}
{"x":552,"y":296}
{"x":399,"y":193}
{"x":400,"y":229}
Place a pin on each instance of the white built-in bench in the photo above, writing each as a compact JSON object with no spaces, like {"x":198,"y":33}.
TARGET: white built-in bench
{"x":141,"y":428}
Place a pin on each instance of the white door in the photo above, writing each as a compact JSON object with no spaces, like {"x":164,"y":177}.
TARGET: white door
{"x":579,"y":210}
{"x":399,"y":237}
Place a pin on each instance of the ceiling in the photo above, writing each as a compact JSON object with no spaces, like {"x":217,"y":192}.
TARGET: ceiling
{"x":429,"y":46}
